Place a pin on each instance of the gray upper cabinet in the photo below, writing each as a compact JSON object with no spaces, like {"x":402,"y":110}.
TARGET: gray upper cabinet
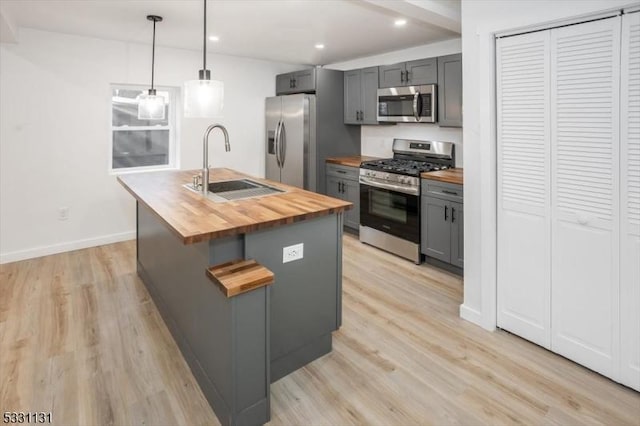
{"x":303,"y":81}
{"x":424,"y":71}
{"x":412,"y":73}
{"x":450,"y":90}
{"x":352,"y":96}
{"x":361,"y":96}
{"x":442,"y":222}
{"x":391,"y":75}
{"x":284,"y":83}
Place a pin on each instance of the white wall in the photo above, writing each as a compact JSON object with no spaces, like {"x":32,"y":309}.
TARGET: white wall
{"x":480,"y":20}
{"x":377,"y":140}
{"x":54,"y":133}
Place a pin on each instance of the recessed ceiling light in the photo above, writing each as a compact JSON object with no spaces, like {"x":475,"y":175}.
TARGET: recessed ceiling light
{"x":319,"y":46}
{"x":400,"y":22}
{"x":214,"y":38}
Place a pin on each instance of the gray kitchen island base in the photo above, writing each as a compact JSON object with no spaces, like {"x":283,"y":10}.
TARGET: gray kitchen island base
{"x":237,"y":346}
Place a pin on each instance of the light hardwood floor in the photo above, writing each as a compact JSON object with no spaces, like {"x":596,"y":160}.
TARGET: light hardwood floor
{"x":80,"y":337}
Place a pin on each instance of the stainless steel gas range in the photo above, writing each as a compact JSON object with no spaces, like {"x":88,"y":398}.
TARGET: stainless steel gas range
{"x":390,"y":194}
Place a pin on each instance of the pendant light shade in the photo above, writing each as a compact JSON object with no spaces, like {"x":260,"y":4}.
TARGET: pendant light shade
{"x":151,"y":106}
{"x":203,"y":97}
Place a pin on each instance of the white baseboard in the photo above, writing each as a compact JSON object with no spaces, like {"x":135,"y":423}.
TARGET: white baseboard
{"x":471,"y":315}
{"x":63,"y":247}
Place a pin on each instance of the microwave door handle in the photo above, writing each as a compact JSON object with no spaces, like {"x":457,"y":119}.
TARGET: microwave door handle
{"x":416,"y":112}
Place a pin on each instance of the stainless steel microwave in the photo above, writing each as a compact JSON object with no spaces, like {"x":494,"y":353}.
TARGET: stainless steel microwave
{"x":410,"y":104}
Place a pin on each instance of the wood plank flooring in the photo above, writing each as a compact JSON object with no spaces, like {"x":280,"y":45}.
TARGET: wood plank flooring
{"x":80,"y":337}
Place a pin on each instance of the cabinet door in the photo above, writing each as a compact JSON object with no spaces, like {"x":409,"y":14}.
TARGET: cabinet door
{"x":424,"y":71}
{"x":333,"y":187}
{"x":585,"y":164}
{"x":630,"y":203}
{"x":524,"y":219}
{"x":436,"y":228}
{"x":352,"y":96}
{"x":284,"y":83}
{"x":304,"y":81}
{"x":369,"y":89}
{"x":391,"y":75}
{"x":450,"y":91}
{"x":352,"y":195}
{"x":457,"y":235}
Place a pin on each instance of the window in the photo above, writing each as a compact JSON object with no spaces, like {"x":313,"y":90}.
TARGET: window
{"x":141,"y":144}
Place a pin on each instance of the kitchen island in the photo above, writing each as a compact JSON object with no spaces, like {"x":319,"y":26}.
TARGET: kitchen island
{"x":239,"y":339}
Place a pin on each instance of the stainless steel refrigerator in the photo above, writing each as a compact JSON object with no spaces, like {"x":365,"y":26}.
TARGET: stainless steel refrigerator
{"x":291,"y":140}
{"x":302,"y":130}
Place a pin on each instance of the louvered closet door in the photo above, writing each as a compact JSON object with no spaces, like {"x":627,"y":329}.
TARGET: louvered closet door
{"x":585,"y":71}
{"x":630,"y":202}
{"x":524,"y":274}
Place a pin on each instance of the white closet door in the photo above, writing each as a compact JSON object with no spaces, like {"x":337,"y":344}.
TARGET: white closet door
{"x":585,"y":83}
{"x":523,"y":186}
{"x":630,"y":202}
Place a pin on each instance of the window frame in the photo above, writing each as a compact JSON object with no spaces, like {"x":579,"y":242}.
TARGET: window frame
{"x":171,"y":127}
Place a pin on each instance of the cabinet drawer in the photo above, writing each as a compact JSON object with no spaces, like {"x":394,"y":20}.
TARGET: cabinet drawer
{"x":442,"y":190}
{"x":343,"y":172}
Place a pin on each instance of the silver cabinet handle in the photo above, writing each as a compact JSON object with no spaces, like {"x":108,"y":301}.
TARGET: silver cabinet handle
{"x":445,"y":212}
{"x":416,"y":99}
{"x":453,"y":214}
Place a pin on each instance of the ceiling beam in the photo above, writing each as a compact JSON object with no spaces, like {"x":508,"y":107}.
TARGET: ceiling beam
{"x":440,"y":13}
{"x":8,"y":29}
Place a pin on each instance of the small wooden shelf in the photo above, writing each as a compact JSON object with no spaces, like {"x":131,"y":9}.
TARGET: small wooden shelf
{"x":239,"y":276}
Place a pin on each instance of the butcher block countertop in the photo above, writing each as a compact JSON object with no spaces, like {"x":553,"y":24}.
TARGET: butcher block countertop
{"x":351,"y":161}
{"x":449,"y":176}
{"x":195,"y":218}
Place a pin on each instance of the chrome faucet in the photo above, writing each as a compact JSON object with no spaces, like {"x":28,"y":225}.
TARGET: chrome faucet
{"x":205,"y":153}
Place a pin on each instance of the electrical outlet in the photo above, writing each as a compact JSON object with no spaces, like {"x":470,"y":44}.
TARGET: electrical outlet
{"x":63,"y":213}
{"x":292,"y":253}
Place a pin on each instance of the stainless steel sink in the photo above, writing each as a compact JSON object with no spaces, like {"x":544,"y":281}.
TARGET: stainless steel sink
{"x":237,"y":189}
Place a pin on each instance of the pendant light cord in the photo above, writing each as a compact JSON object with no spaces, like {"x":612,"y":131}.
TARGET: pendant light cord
{"x":204,"y":39}
{"x":153,"y":55}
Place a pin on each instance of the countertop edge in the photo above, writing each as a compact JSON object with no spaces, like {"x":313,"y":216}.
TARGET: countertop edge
{"x":239,"y":229}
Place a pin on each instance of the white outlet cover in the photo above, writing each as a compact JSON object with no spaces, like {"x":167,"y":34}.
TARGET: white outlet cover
{"x":291,"y":253}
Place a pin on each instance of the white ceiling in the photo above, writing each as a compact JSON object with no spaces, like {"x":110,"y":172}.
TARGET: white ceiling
{"x":278,"y":30}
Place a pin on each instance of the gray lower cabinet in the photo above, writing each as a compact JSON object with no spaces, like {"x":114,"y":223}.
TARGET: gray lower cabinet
{"x":342,"y":183}
{"x":450,"y":90}
{"x":436,"y":229}
{"x":412,"y":73}
{"x":442,"y":222}
{"x":361,"y":96}
{"x":303,"y":81}
{"x":457,"y":234}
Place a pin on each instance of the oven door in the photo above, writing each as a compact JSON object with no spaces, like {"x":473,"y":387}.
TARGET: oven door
{"x":412,"y":104}
{"x":390,"y":211}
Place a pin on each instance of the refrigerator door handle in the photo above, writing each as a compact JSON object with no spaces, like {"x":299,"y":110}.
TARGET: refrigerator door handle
{"x":283,"y":143}
{"x":277,"y":143}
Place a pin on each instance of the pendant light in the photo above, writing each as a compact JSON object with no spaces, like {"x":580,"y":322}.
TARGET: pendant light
{"x":151,"y":106}
{"x":203,"y":97}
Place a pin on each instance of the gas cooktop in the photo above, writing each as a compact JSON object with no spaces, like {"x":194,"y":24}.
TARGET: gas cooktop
{"x":402,"y":166}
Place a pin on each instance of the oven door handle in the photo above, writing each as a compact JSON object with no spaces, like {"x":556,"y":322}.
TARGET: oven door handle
{"x":389,"y":186}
